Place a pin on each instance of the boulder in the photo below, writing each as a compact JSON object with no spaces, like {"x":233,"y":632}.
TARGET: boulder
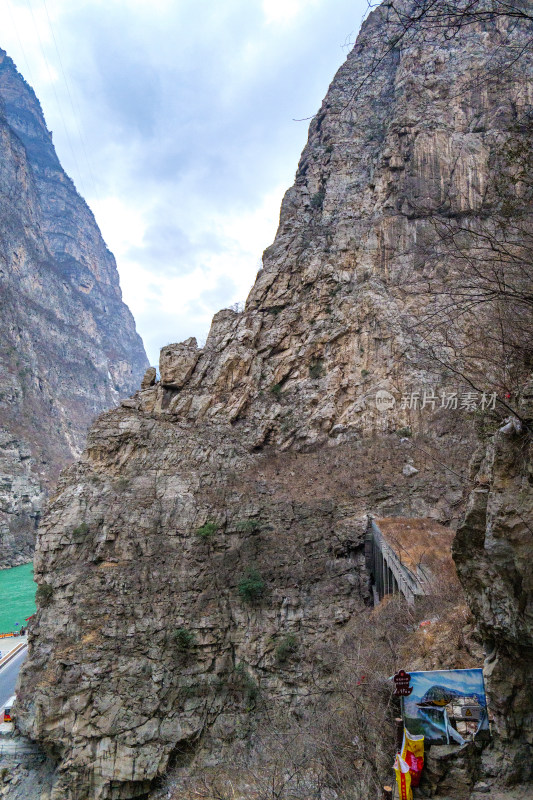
{"x":149,"y":378}
{"x":177,"y":363}
{"x":409,"y":470}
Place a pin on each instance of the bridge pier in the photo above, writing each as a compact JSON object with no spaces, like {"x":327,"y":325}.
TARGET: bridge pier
{"x":389,"y":575}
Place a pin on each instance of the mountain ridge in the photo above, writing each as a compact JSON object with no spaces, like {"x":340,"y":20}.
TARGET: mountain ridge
{"x":205,"y":599}
{"x":69,"y":345}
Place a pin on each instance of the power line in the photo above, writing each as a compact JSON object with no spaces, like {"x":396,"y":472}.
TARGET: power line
{"x":28,"y":3}
{"x":15,"y":28}
{"x":75,"y":111}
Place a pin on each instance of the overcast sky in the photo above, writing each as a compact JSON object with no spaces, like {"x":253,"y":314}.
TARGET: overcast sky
{"x":175,"y":120}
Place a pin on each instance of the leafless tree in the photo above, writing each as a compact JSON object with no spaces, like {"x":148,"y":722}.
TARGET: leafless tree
{"x":432,"y":20}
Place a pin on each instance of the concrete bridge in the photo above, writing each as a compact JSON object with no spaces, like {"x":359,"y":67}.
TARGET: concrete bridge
{"x":406,"y":555}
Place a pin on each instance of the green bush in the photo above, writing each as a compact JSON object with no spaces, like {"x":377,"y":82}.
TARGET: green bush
{"x":247,"y":525}
{"x":184,"y":639}
{"x":81,"y":529}
{"x":316,"y":368}
{"x":317,"y":200}
{"x":207,"y":530}
{"x":404,"y":432}
{"x":44,"y":594}
{"x":365,"y":373}
{"x":276,"y":389}
{"x":251,"y":586}
{"x":286,"y":648}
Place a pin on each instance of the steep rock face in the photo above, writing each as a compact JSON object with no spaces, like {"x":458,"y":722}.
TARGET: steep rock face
{"x":68,"y":343}
{"x":493,"y":555}
{"x":221,"y":510}
{"x":21,"y":500}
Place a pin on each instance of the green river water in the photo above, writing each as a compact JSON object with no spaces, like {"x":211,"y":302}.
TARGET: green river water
{"x":17,"y":597}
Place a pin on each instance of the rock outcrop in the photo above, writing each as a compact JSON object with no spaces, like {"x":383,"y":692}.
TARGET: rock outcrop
{"x":493,"y":551}
{"x":21,"y":500}
{"x":213,"y":528}
{"x":68,"y":346}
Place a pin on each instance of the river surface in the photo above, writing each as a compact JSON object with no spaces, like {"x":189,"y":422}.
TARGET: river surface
{"x":17,"y":597}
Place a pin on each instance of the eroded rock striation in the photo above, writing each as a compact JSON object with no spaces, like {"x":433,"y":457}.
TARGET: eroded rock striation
{"x":68,"y":346}
{"x":492,"y":551}
{"x":215,"y":520}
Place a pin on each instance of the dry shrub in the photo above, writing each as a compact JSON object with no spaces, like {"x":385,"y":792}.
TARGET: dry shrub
{"x":337,"y":740}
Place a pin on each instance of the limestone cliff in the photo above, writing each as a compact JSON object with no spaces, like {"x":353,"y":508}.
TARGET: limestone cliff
{"x":493,"y":551}
{"x":201,"y":567}
{"x":68,"y":346}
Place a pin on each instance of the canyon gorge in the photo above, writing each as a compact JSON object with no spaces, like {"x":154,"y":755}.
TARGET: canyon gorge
{"x":205,"y":619}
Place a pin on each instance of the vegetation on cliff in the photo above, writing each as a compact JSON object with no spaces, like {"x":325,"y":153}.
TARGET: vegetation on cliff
{"x":376,"y":344}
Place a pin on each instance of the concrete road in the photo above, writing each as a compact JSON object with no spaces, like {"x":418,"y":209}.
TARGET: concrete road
{"x":8,"y":679}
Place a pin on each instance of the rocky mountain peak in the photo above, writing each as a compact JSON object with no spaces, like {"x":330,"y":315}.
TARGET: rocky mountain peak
{"x":202,"y":565}
{"x":69,"y":345}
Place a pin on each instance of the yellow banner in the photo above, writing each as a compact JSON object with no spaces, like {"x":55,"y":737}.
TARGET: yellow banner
{"x":403,"y":778}
{"x":413,"y":754}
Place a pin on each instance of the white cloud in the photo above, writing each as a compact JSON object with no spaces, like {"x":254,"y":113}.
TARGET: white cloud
{"x":284,"y":11}
{"x":120,"y":220}
{"x":230,"y":272}
{"x":176,"y":123}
